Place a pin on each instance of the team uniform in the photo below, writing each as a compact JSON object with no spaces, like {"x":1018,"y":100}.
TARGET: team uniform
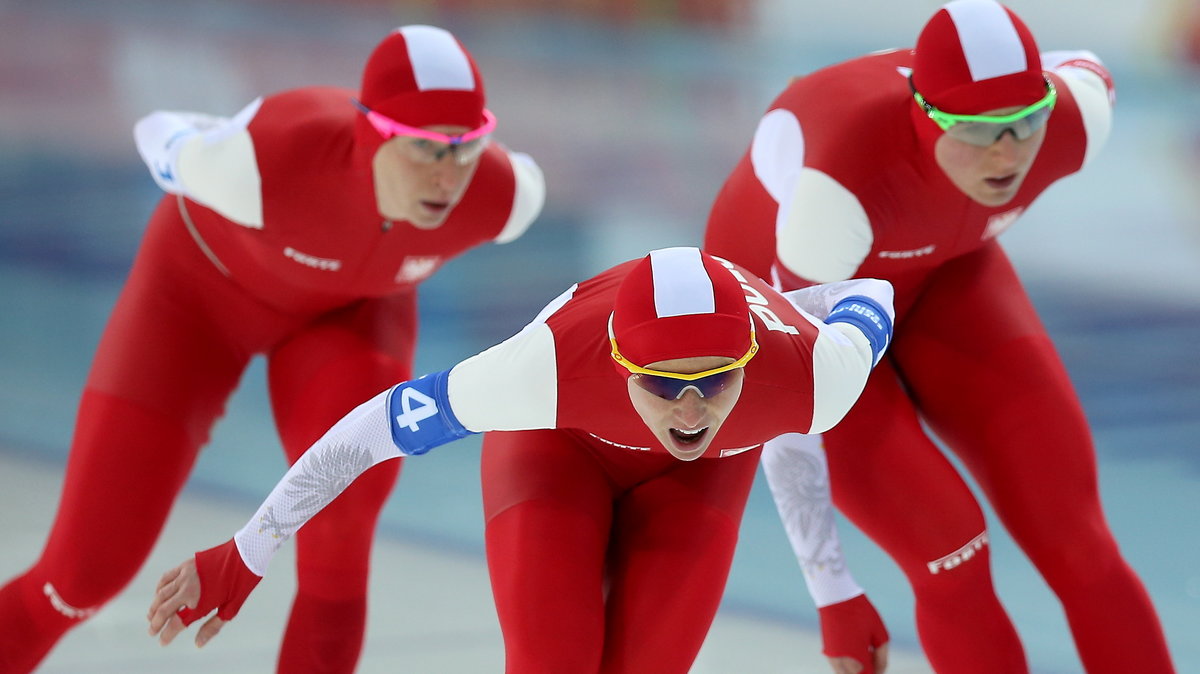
{"x":270,"y":243}
{"x":577,"y":490}
{"x":841,"y":182}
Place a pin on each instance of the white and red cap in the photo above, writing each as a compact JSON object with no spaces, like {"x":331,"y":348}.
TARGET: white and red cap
{"x":680,"y":303}
{"x":977,"y":55}
{"x":422,"y":76}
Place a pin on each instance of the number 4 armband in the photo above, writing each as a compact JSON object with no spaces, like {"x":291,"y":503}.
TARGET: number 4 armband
{"x":420,"y":414}
{"x":868,"y":316}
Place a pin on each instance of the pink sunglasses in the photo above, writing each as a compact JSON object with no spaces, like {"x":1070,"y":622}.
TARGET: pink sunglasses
{"x":388,"y":127}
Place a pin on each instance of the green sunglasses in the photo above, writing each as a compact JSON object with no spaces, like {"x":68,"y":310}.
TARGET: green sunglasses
{"x":983,"y":130}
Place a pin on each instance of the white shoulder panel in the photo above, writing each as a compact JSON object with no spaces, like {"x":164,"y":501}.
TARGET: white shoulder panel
{"x":514,"y":385}
{"x":777,"y":152}
{"x":529,"y":198}
{"x":822,"y":232}
{"x":841,"y":362}
{"x":220,"y":169}
{"x":1092,"y":96}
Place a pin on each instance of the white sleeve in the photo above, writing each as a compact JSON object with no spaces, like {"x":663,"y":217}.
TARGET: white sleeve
{"x":511,"y":386}
{"x":208,"y":159}
{"x":822,"y":231}
{"x":1092,"y":88}
{"x":360,"y":440}
{"x":798,"y":476}
{"x":819,"y":300}
{"x":795,"y":465}
{"x":529,"y":198}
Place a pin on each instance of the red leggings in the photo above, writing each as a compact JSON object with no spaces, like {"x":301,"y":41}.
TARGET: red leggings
{"x":973,"y":361}
{"x":605,"y":560}
{"x":177,"y":343}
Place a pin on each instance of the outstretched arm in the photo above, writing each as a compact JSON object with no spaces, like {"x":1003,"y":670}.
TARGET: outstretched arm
{"x":861,"y":312}
{"x":410,"y":418}
{"x":855,"y":639}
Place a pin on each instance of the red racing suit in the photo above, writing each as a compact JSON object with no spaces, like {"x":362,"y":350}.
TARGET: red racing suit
{"x":606,"y":553}
{"x":840,"y":182}
{"x":272,"y":244}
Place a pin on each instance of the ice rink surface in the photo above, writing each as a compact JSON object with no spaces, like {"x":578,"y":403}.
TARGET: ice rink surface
{"x":635,"y":125}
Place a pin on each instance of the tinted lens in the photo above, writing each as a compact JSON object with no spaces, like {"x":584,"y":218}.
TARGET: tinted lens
{"x":986,"y":133}
{"x":424,"y":151}
{"x":669,"y":388}
{"x":467,"y":152}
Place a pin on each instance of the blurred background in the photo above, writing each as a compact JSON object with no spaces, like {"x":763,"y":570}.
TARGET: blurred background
{"x":636,"y":110}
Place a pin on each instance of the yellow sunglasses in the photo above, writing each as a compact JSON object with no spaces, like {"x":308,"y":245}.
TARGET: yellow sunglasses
{"x":672,"y":385}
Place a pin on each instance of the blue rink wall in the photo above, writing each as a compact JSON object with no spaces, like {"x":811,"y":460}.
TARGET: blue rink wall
{"x":635,"y":128}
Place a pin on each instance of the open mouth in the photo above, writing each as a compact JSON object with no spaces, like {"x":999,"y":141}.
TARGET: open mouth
{"x":688,"y":437}
{"x":1001,"y":183}
{"x":436,"y":206}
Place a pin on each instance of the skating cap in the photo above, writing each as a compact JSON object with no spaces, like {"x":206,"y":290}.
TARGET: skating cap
{"x":680,"y":303}
{"x":976,"y":55}
{"x":421,"y":76}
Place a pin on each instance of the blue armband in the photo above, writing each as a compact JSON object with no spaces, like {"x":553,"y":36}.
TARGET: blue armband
{"x":865,"y":314}
{"x":420,"y":414}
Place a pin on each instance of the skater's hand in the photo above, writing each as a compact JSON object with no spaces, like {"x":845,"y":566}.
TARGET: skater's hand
{"x":856,"y":641}
{"x":178,"y":589}
{"x":845,"y":665}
